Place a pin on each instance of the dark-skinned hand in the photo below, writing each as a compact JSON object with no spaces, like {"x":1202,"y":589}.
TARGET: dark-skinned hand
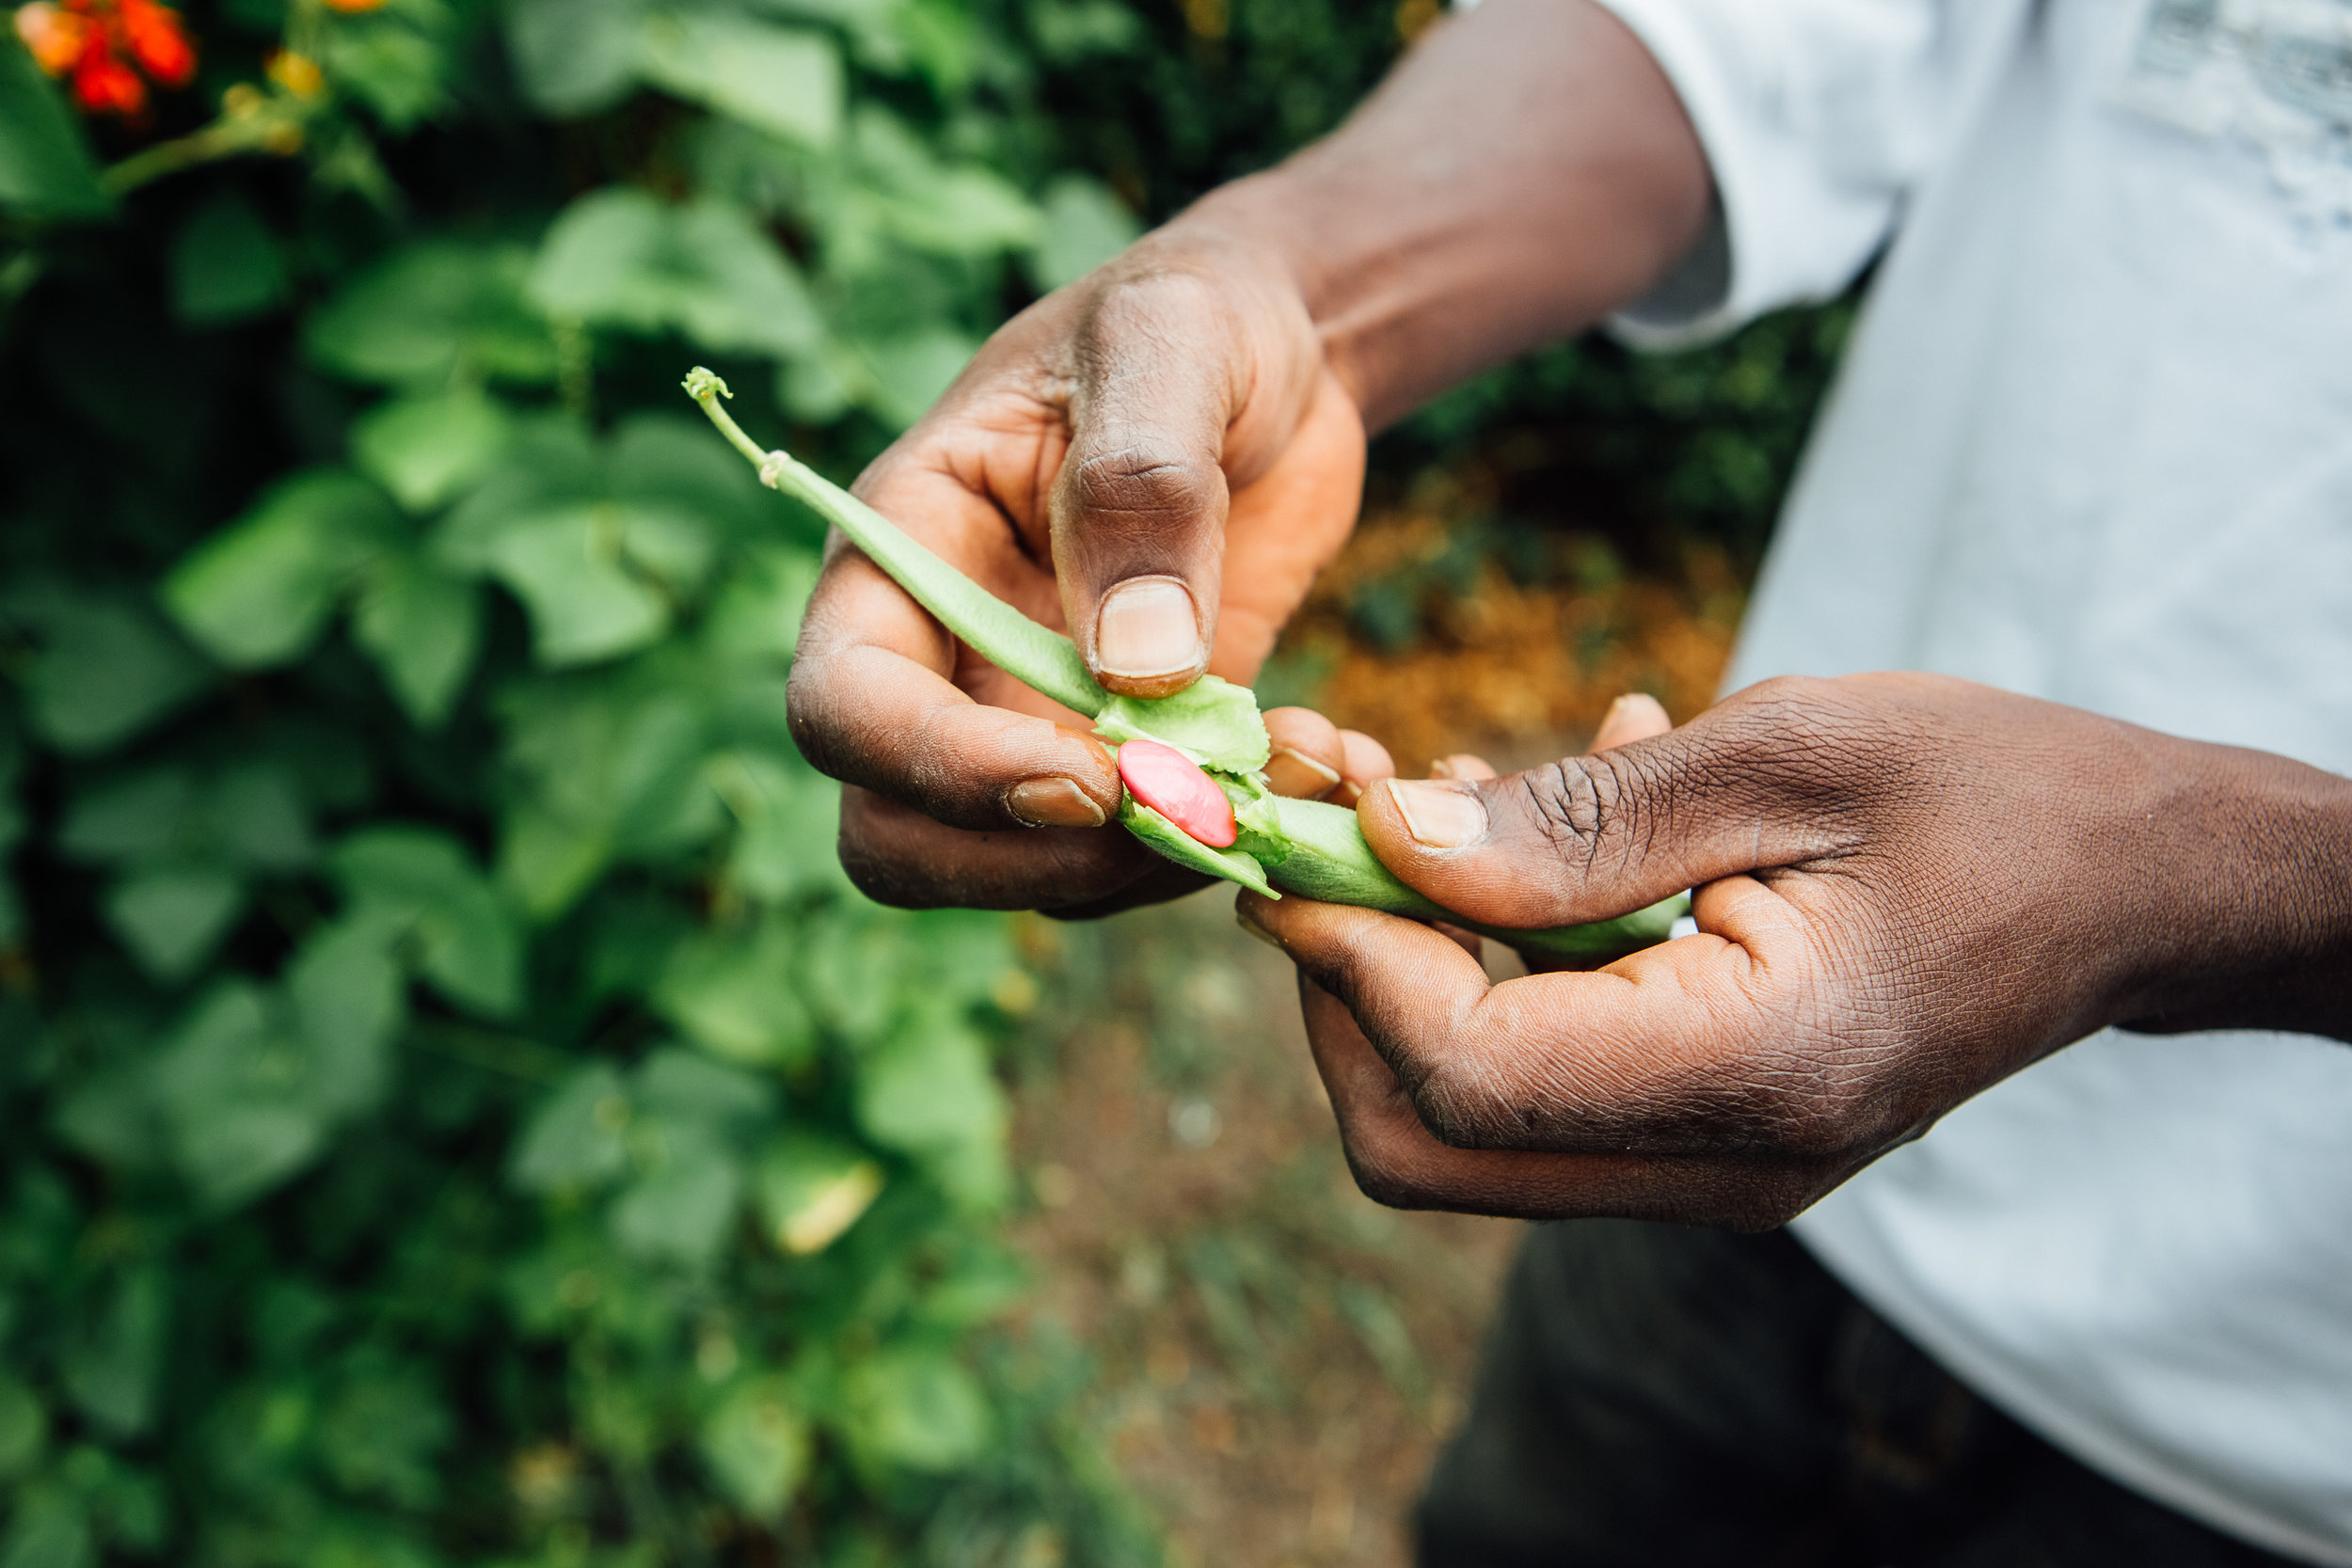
{"x":1908,"y":888}
{"x":1159,"y":457}
{"x":1160,"y":462}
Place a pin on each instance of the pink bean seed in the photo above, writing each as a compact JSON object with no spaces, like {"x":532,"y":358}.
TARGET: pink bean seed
{"x":1174,"y":786}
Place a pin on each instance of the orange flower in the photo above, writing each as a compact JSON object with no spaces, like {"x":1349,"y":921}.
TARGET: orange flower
{"x":53,"y":35}
{"x":353,"y":8}
{"x":158,"y":42}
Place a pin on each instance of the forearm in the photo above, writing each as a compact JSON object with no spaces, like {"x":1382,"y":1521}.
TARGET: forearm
{"x":1527,"y":170}
{"x":2254,"y":927}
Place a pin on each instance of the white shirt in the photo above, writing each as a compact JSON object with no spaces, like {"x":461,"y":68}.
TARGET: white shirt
{"x":2093,"y":441}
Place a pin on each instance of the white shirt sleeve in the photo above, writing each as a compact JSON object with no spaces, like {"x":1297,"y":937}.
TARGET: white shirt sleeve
{"x":1818,"y":117}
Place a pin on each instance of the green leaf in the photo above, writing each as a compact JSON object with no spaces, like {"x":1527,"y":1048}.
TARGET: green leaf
{"x":756,"y":615}
{"x":811,"y":1189}
{"x":566,"y":567}
{"x":250,"y":815}
{"x":143,"y":817}
{"x":687,"y":1088}
{"x":735,"y":997}
{"x":756,"y":1446}
{"x":110,"y":1373}
{"x":1212,"y":721}
{"x":249,"y":1094}
{"x":260,"y":592}
{"x":424,"y":628}
{"x":669,"y":462}
{"x":51,"y":1530}
{"x":547,"y":860}
{"x":431,"y":311}
{"x":255,"y":818}
{"x":348,"y":1002}
{"x":619,"y":258}
{"x":575,"y":56}
{"x":393,"y":61}
{"x":422,"y":884}
{"x":577,"y":1138}
{"x":911,"y":369}
{"x":171,"y":917}
{"x":914,"y":1410}
{"x":928,"y":1086}
{"x":225,"y":265}
{"x":550,"y":463}
{"x":678,"y":1211}
{"x":104,"y":671}
{"x":45,"y":165}
{"x":383,"y":1437}
{"x":24,"y":1428}
{"x":787,"y":819}
{"x":786,"y":81}
{"x":425,"y":449}
{"x":1084,"y":226}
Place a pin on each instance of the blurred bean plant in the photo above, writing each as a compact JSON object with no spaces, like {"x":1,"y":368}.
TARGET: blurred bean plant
{"x":455,"y":1110}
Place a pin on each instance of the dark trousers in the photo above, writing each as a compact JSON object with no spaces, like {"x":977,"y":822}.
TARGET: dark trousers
{"x":1652,"y":1397}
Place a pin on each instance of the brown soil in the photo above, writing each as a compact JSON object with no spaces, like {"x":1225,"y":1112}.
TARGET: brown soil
{"x":1513,"y":668}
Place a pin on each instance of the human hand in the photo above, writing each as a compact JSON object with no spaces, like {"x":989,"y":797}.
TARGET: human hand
{"x":1909,"y":887}
{"x":1156,"y":459}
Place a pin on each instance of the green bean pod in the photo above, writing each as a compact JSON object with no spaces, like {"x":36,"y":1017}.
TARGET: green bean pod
{"x":1319,"y":850}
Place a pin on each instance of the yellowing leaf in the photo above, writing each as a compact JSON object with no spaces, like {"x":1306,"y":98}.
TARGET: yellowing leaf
{"x":812,"y":1189}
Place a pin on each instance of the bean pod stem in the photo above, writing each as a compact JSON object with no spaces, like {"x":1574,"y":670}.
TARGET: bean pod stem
{"x":1319,"y":851}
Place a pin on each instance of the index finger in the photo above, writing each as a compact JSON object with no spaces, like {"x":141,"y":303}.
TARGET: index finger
{"x":884,"y":697}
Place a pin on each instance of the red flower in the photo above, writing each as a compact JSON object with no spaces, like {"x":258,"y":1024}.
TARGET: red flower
{"x":102,"y":85}
{"x":158,"y":42}
{"x":88,"y":40}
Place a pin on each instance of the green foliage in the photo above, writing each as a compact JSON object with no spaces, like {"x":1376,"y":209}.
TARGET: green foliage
{"x":457,"y":1109}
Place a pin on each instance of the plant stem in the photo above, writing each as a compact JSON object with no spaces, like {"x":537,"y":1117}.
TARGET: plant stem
{"x":1036,"y":655}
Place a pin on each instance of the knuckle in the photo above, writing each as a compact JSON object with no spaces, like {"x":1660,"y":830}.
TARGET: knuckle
{"x":886,"y":878}
{"x":1147,"y":479}
{"x":1384,"y":1174}
{"x":1582,"y":808}
{"x":1463,"y":1111}
{"x":1812,"y":1112}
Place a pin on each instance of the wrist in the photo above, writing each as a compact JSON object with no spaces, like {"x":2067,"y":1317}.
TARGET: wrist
{"x":1526,"y":170}
{"x":2252,"y":926}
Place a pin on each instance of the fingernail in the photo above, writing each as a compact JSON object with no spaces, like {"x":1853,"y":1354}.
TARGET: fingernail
{"x":1329,"y":775}
{"x":1147,"y":627}
{"x":1438,"y":814}
{"x":1259,"y":932}
{"x":1054,"y":803}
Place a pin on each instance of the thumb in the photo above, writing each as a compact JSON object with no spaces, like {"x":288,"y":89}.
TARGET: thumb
{"x":1593,"y":837}
{"x":1185,"y":389}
